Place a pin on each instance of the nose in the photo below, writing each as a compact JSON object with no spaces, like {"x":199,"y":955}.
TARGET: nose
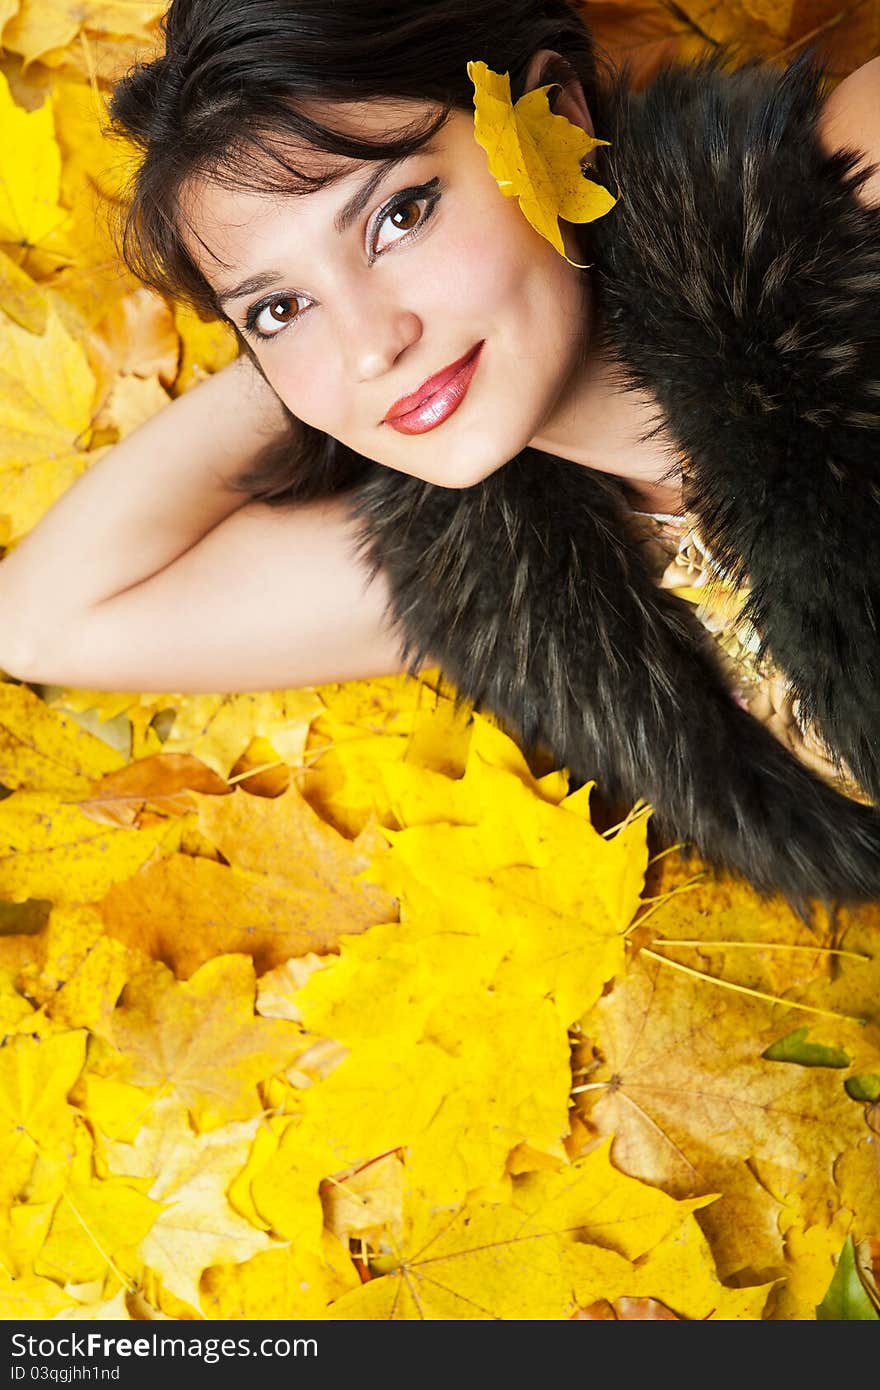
{"x":375,"y":332}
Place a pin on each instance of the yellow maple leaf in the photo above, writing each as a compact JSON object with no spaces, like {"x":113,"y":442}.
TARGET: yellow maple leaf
{"x":28,"y":1297}
{"x":205,"y":347}
{"x":369,"y":723}
{"x":469,"y":1262}
{"x":96,"y":1221}
{"x":23,"y":300}
{"x":497,"y":854}
{"x":455,"y":1102}
{"x":90,"y":992}
{"x":535,"y":156}
{"x":114,"y":1107}
{"x":605,"y":1205}
{"x":217,"y":728}
{"x":23,"y":1230}
{"x":189,"y":1175}
{"x":378,"y":1105}
{"x":163,"y":782}
{"x":480,"y":1262}
{"x":59,"y":947}
{"x":136,"y":337}
{"x":81,"y":255}
{"x":681,"y":1273}
{"x":132,"y":400}
{"x":683,"y":1081}
{"x":100,"y":1309}
{"x":53,"y":851}
{"x":36,"y":1120}
{"x":286,"y":1282}
{"x":202,"y":1038}
{"x":41,"y":26}
{"x":91,"y":161}
{"x":46,"y":391}
{"x":516,"y":820}
{"x":42,"y":749}
{"x":230,"y":910}
{"x":367,"y":1204}
{"x":672,"y":1261}
{"x":52,"y":369}
{"x":30,"y":175}
{"x":283,"y":837}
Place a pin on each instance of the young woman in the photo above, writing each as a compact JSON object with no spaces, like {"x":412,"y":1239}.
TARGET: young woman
{"x":444,"y":442}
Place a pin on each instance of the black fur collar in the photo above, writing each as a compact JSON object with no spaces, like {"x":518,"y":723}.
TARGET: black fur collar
{"x":739,"y":282}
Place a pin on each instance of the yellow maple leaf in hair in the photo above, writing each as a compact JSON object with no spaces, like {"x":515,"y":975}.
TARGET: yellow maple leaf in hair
{"x":535,"y":155}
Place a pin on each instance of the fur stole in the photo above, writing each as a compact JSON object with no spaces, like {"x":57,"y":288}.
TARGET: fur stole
{"x":738,"y":281}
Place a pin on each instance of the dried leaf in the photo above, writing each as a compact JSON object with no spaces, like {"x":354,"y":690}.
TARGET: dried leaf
{"x":43,"y":750}
{"x":189,"y":1174}
{"x":46,"y":389}
{"x":20,"y":298}
{"x":162,"y":782}
{"x":53,"y":850}
{"x":30,"y":174}
{"x":535,"y":156}
{"x":202,"y":1039}
{"x":43,"y":25}
{"x":228,"y":910}
{"x":683,"y":1082}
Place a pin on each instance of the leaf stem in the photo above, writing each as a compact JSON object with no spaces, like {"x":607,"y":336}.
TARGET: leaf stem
{"x":743,"y":989}
{"x":766,"y":946}
{"x":663,"y":898}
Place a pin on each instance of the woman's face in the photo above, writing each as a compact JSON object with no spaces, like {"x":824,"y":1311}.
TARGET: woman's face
{"x":409,"y":311}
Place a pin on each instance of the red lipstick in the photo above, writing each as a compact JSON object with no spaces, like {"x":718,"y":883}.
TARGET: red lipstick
{"x":436,"y":399}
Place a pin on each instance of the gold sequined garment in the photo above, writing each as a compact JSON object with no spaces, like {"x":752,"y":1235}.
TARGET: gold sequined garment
{"x":681,"y":562}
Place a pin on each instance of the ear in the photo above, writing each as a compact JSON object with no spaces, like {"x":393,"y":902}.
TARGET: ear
{"x":569,"y":99}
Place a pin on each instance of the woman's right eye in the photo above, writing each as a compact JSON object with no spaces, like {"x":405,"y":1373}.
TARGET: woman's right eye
{"x":268,"y":319}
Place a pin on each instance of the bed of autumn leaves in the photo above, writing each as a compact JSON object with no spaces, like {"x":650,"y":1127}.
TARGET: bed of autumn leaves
{"x":327,"y":1004}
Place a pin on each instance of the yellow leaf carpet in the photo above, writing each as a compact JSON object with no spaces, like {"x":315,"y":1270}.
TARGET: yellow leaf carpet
{"x":327,"y":1003}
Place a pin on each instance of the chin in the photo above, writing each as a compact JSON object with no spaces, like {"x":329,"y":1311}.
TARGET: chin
{"x":473,"y":461}
{"x":464,"y":474}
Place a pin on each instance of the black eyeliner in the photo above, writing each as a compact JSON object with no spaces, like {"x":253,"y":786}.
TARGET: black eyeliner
{"x":429,"y":192}
{"x":250,"y":321}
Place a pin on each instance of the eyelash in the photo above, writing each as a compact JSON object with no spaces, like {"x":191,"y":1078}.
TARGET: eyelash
{"x":428,"y":193}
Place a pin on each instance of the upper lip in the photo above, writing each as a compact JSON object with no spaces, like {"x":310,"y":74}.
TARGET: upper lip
{"x":428,"y":388}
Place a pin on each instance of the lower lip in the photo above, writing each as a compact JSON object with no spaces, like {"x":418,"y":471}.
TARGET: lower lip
{"x":443,"y":403}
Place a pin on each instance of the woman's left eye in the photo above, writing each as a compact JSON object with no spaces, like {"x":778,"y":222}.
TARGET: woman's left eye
{"x":409,"y":212}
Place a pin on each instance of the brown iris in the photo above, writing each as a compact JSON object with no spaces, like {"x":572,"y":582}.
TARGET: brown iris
{"x":405,"y":217}
{"x":283,"y":310}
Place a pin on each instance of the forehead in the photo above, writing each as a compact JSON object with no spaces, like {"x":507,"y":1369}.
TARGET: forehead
{"x":274,"y":161}
{"x":255,"y":180}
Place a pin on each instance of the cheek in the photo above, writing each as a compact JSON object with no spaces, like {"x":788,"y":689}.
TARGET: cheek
{"x":496,"y":269}
{"x":484,"y":264}
{"x":306,"y":376}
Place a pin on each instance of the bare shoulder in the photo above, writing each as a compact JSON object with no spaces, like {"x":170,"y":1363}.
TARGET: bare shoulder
{"x":850,"y":119}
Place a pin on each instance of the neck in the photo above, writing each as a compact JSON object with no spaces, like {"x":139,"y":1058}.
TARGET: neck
{"x":601,"y":424}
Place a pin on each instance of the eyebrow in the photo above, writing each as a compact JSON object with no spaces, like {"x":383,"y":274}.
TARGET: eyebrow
{"x":344,"y":218}
{"x":358,"y":201}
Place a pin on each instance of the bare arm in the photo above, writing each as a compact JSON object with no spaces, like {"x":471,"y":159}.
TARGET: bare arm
{"x":153,"y":573}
